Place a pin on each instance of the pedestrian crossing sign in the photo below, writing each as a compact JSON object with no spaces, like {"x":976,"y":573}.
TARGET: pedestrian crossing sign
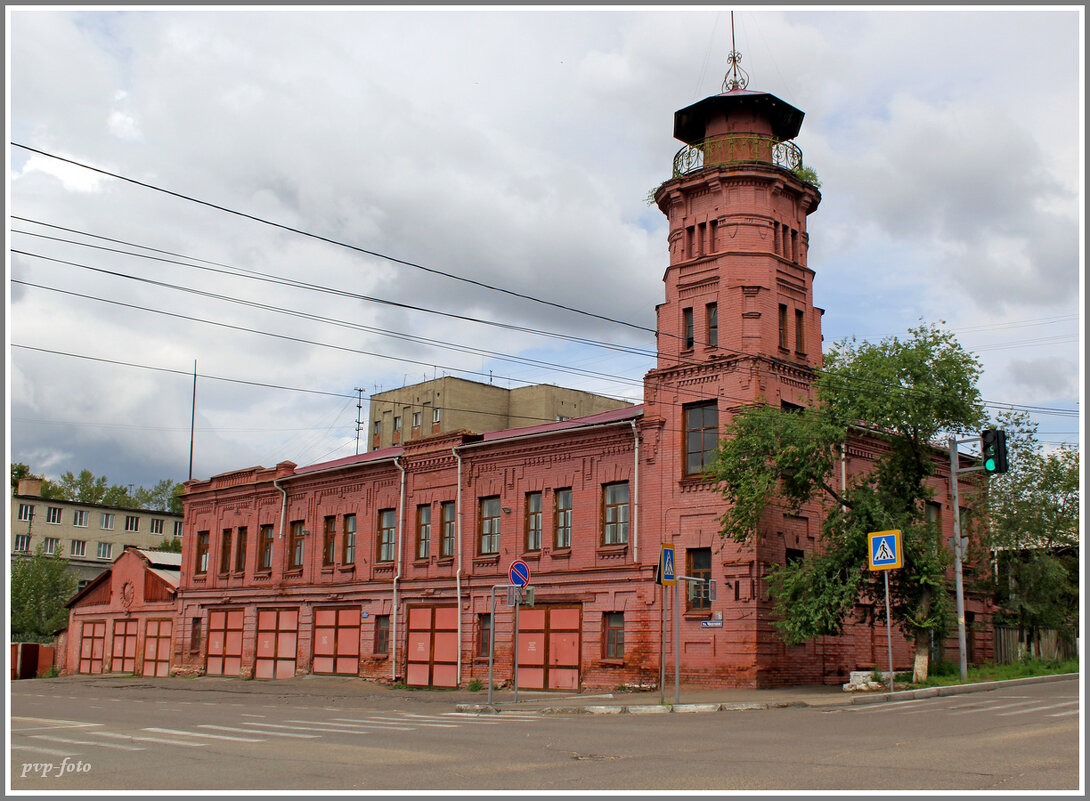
{"x":667,"y":575}
{"x":884,"y":549}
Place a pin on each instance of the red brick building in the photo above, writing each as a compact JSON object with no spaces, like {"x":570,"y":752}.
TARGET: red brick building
{"x":384,"y":564}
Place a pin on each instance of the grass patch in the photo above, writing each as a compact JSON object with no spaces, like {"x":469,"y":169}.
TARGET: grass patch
{"x":943,"y":674}
{"x":474,"y":686}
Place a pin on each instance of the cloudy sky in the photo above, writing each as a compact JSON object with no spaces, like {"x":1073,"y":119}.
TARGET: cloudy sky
{"x":512,"y":147}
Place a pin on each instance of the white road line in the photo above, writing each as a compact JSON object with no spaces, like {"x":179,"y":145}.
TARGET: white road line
{"x":202,"y":734}
{"x":990,"y":708}
{"x":1035,"y":709}
{"x":38,"y":750}
{"x":251,"y":715}
{"x":395,"y":720}
{"x":139,"y":738}
{"x":72,"y":723}
{"x":54,"y":739}
{"x":1063,"y":714}
{"x":369,"y":724}
{"x":309,"y":728}
{"x":256,"y":731}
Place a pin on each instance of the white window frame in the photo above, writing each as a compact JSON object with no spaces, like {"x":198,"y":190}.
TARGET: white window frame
{"x":132,"y":524}
{"x":416,"y":419}
{"x":436,"y":414}
{"x":106,"y":522}
{"x":26,"y":511}
{"x":49,"y":545}
{"x":177,"y":528}
{"x":53,"y":516}
{"x":105,"y":550}
{"x":156,"y":525}
{"x":22,"y":540}
{"x":79,"y":548}
{"x":79,"y":518}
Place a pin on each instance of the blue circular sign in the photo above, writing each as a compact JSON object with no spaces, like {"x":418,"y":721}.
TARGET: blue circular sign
{"x":519,"y":573}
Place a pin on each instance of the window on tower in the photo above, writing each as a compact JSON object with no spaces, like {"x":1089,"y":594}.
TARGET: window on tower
{"x":687,"y":336}
{"x":701,"y":436}
{"x":800,"y":332}
{"x":712,"y":310}
{"x":783,"y":326}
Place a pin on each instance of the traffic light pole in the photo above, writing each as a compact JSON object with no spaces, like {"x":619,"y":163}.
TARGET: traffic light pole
{"x":959,"y":545}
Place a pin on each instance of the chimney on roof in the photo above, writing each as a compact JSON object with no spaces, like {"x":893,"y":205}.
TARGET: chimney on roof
{"x":30,"y":486}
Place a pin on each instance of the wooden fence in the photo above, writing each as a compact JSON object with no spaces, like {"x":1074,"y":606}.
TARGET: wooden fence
{"x":1049,"y":645}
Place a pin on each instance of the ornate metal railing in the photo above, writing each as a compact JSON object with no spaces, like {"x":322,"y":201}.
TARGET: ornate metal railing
{"x":737,"y":149}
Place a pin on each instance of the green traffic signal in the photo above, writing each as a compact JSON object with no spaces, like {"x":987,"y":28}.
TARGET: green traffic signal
{"x":993,"y":450}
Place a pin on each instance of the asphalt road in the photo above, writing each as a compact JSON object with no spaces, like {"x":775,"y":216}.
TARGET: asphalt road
{"x":184,"y":735}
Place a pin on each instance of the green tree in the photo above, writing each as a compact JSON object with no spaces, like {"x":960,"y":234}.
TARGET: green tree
{"x":1034,"y":533}
{"x":18,"y":471}
{"x":165,"y":496}
{"x":904,"y":393}
{"x":174,"y":545}
{"x":40,"y":587}
{"x":84,"y":488}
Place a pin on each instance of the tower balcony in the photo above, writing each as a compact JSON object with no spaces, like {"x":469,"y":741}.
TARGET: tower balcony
{"x":734,"y":149}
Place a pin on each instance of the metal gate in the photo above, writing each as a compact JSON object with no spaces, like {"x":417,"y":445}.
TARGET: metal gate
{"x":277,"y":637}
{"x":123,"y":650}
{"x":224,"y":642}
{"x":549,"y":646}
{"x":157,"y":635}
{"x":432,"y":656}
{"x":92,"y":646}
{"x":337,"y":641}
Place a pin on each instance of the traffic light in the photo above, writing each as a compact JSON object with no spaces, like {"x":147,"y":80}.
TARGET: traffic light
{"x":993,"y":450}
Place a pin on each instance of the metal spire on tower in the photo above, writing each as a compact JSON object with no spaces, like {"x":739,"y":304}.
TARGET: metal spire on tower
{"x":736,"y":77}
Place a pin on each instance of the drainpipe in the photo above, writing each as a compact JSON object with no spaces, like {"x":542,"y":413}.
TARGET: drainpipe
{"x":635,"y":494}
{"x":458,"y":549}
{"x":397,"y":575}
{"x":283,"y":504}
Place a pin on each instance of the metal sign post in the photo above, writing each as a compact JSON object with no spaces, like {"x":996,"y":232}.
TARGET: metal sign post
{"x":519,"y":573}
{"x":884,"y":553}
{"x":666,"y":576}
{"x":959,"y":544}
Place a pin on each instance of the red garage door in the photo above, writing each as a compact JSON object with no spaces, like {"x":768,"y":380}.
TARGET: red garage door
{"x":549,"y":648}
{"x":224,"y":642}
{"x":123,"y":652}
{"x":157,"y":647}
{"x":277,"y":636}
{"x":92,"y":646}
{"x":432,"y":657}
{"x":337,"y":641}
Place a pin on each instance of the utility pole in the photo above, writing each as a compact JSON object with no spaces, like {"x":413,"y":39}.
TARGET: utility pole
{"x":192,"y":419}
{"x":959,"y":543}
{"x":359,"y":414}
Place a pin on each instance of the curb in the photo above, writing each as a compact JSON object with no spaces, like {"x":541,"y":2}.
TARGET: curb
{"x":875,"y":698}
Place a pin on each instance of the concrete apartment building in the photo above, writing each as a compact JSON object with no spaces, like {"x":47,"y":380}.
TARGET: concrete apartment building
{"x":90,"y":536}
{"x":450,"y":404}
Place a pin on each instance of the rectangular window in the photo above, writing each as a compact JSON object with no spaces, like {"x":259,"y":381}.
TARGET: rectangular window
{"x":423,"y":531}
{"x":382,"y":634}
{"x":297,"y":545}
{"x":157,"y":525}
{"x":484,"y":634}
{"x":49,"y":545}
{"x":712,"y":319}
{"x":202,"y":552}
{"x":450,"y":528}
{"x":53,"y":515}
{"x":397,"y":423}
{"x":783,"y":326}
{"x":195,"y":634}
{"x":698,"y":565}
{"x":105,"y":550}
{"x":22,"y":542}
{"x":562,"y":518}
{"x":78,"y":548}
{"x":488,"y":534}
{"x":687,"y":334}
{"x":177,"y":528}
{"x":225,"y":551}
{"x":240,"y":550}
{"x":265,"y":548}
{"x":533,"y":521}
{"x":387,"y":531}
{"x":329,"y":541}
{"x":416,"y":419}
{"x":436,"y":415}
{"x":107,"y":521}
{"x":79,"y":518}
{"x":701,"y":436}
{"x":348,"y":548}
{"x":132,"y":523}
{"x":26,"y":511}
{"x":613,"y":635}
{"x":615,"y":513}
{"x":800,"y":332}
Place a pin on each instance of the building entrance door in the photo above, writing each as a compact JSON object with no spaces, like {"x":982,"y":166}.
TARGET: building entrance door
{"x":549,"y":647}
{"x":157,"y":647}
{"x":277,"y":637}
{"x":432,"y":655}
{"x":123,"y":652}
{"x":337,"y":641}
{"x":224,"y":642}
{"x":92,"y":646}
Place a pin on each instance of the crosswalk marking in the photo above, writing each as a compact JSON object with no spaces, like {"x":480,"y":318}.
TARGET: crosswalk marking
{"x":396,"y":720}
{"x":1036,"y":709}
{"x":1063,"y":714}
{"x":38,"y":750}
{"x":67,"y":741}
{"x":73,"y":723}
{"x":369,"y":724}
{"x":256,"y":731}
{"x":309,"y":728}
{"x":203,"y":734}
{"x":143,"y":739}
{"x":990,"y":708}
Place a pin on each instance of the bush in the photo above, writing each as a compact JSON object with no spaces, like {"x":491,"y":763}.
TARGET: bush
{"x":474,"y":686}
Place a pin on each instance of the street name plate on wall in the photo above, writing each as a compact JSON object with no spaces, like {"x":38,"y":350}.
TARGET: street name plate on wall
{"x":711,"y":624}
